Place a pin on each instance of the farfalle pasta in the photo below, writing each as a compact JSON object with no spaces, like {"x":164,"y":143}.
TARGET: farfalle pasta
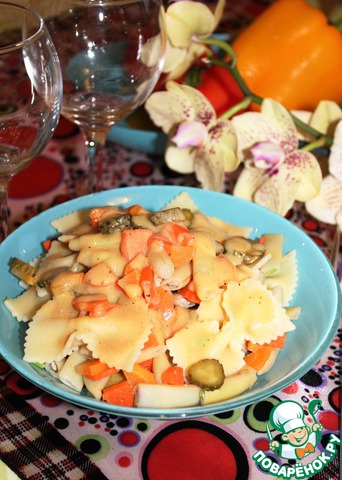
{"x":156,"y":309}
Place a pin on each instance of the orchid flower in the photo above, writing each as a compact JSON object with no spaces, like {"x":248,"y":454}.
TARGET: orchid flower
{"x":327,"y":205}
{"x":197,"y":142}
{"x":276,"y":172}
{"x":186,"y":25}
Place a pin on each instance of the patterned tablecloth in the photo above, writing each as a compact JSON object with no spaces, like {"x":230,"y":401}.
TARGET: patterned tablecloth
{"x":43,"y":437}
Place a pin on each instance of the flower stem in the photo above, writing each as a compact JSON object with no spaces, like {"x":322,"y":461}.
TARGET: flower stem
{"x":320,"y":142}
{"x":226,"y":47}
{"x":245,"y":103}
{"x":253,"y":98}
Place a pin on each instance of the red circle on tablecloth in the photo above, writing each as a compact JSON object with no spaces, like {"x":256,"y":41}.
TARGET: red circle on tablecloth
{"x":65,"y":128}
{"x":329,"y":420}
{"x":194,"y":451}
{"x":41,"y":176}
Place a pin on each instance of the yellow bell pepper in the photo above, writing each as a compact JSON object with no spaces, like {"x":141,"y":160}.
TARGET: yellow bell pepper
{"x":291,"y":53}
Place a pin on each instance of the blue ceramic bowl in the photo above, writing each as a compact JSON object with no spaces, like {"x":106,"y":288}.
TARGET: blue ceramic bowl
{"x":318,"y":294}
{"x":148,"y":141}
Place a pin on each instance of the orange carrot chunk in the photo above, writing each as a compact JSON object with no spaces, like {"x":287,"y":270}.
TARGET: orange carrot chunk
{"x":181,"y":254}
{"x":96,"y":305}
{"x":258,"y":358}
{"x":279,"y":342}
{"x":148,"y":286}
{"x":94,"y":369}
{"x":139,"y":374}
{"x":47,"y":245}
{"x":189,"y":293}
{"x":138,"y":210}
{"x":173,"y":375}
{"x":119,"y":394}
{"x":165,"y":305}
{"x":178,"y":234}
{"x":134,"y":242}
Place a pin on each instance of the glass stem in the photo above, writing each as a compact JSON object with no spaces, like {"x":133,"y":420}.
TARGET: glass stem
{"x":95,"y":142}
{"x":4,"y":184}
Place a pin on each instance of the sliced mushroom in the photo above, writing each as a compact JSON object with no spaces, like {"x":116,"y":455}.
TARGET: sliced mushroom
{"x":170,"y":215}
{"x":114,"y":224}
{"x":243,"y":251}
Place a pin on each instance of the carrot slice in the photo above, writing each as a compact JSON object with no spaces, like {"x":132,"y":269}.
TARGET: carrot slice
{"x":94,"y":369}
{"x":96,"y":304}
{"x":181,"y":254}
{"x":189,"y":293}
{"x":138,"y":210}
{"x":47,"y":245}
{"x":148,"y":286}
{"x":139,"y":374}
{"x":258,"y":358}
{"x":134,"y":242}
{"x":139,"y":261}
{"x":165,"y":305}
{"x":148,"y":364}
{"x":279,"y":342}
{"x":119,"y":394}
{"x":178,"y":234}
{"x":151,"y":341}
{"x":173,"y":375}
{"x":96,"y":214}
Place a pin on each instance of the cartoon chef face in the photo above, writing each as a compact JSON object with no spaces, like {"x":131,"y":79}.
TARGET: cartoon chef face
{"x":297,"y":437}
{"x":288,"y":417}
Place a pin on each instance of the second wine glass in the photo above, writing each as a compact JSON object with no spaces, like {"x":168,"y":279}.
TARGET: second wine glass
{"x":111,"y":54}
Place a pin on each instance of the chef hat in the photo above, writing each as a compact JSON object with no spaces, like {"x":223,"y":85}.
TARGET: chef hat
{"x":287,"y":416}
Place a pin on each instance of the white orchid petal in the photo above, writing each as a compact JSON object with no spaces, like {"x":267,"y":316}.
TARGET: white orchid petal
{"x":176,"y":66}
{"x":327,"y":204}
{"x":326,"y":116}
{"x":174,"y":58}
{"x":209,"y":172}
{"x":250,"y":179}
{"x":180,"y":159}
{"x":169,"y":108}
{"x":186,"y":20}
{"x":280,"y":115}
{"x":275,"y":195}
{"x":202,"y":108}
{"x":301,"y":173}
{"x":335,"y":158}
{"x":222,"y":148}
{"x":190,"y":134}
{"x":254,"y":127}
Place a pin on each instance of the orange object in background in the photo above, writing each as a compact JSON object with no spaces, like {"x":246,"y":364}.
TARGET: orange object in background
{"x":291,"y":54}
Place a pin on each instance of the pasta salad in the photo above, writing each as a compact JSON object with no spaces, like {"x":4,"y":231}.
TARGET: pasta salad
{"x":165,"y":309}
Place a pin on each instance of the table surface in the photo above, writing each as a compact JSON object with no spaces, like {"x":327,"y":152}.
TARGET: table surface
{"x":42,"y":437}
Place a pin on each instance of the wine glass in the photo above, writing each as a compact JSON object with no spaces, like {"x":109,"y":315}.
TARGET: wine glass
{"x":30,"y":94}
{"x":111,"y":54}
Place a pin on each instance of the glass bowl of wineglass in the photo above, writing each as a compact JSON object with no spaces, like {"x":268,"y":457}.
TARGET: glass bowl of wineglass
{"x":30,"y":94}
{"x":111,"y":54}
